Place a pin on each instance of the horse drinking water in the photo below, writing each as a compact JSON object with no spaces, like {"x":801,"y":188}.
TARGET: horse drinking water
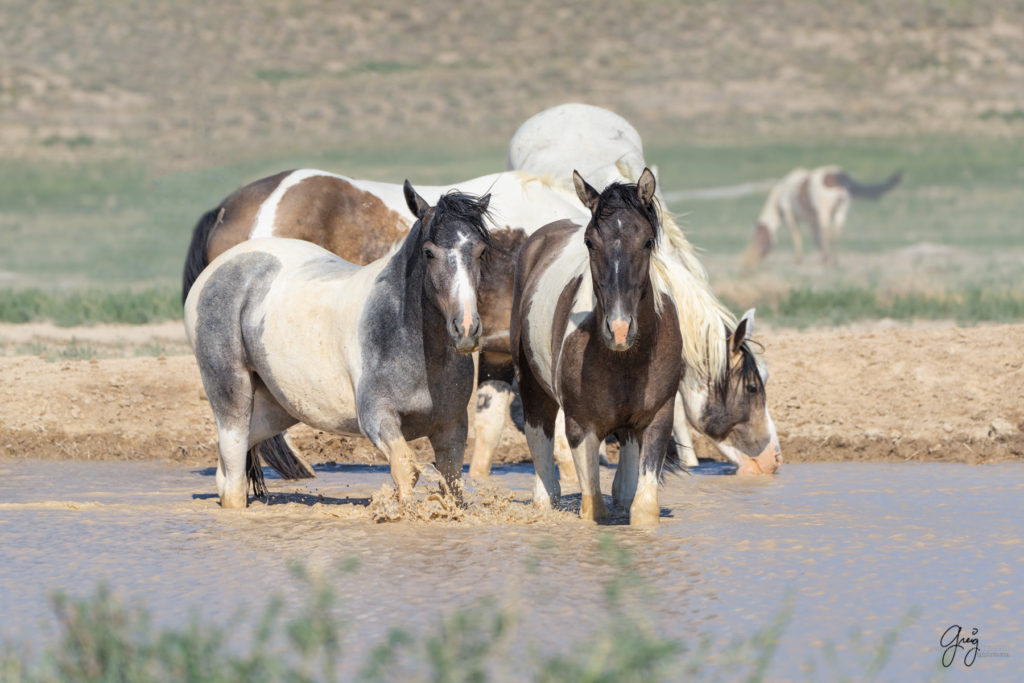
{"x":285,"y":332}
{"x":594,"y":332}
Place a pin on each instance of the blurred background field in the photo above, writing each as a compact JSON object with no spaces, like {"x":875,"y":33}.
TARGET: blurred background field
{"x":120,"y":123}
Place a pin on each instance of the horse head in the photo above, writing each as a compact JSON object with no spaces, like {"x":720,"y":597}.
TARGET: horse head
{"x":452,"y":238}
{"x":732,"y":408}
{"x":620,"y":239}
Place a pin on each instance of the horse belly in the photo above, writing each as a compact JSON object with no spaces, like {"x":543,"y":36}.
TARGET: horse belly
{"x":305,"y":364}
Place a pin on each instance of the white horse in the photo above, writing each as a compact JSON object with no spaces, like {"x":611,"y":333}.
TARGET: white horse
{"x":608,"y":149}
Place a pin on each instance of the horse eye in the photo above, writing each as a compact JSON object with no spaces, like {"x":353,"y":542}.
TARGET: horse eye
{"x":586,"y":241}
{"x":752,"y":388}
{"x":649,"y":244}
{"x":428,"y":253}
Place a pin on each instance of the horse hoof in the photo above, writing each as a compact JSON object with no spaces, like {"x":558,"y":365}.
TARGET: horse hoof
{"x":644,"y":518}
{"x":592,"y":508}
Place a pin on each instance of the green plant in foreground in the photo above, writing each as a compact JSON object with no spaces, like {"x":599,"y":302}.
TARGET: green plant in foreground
{"x":104,"y":640}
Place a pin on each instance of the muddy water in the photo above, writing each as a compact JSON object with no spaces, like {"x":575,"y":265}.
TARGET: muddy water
{"x":855,"y":546}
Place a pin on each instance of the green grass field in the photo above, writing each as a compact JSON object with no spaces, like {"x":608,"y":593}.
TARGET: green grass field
{"x":106,"y":242}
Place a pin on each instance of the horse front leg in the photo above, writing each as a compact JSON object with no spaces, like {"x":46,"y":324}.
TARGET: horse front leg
{"x":449,"y":446}
{"x":645,"y":510}
{"x":383,"y":427}
{"x":585,"y":456}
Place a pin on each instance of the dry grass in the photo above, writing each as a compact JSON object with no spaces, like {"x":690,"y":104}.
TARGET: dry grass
{"x":193,"y":85}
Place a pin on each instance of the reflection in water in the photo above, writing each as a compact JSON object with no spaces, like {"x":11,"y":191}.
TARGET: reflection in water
{"x":858,"y":544}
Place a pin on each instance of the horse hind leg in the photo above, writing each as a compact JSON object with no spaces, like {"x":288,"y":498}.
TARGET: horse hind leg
{"x":539,"y":411}
{"x":267,"y":439}
{"x":624,"y":484}
{"x":563,"y":453}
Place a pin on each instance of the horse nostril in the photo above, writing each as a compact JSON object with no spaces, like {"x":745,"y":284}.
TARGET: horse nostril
{"x":474,"y":331}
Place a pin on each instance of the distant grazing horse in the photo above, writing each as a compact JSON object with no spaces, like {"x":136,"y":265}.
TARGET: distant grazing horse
{"x":285,"y":332}
{"x":594,"y":332}
{"x":819,"y":198}
{"x":608,"y":149}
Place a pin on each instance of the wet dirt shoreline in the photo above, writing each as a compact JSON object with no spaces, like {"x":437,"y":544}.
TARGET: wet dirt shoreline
{"x":909,"y":394}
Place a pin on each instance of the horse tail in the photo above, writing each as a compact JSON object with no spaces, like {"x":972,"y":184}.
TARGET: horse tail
{"x":673,"y":463}
{"x":868,"y":191}
{"x":254,"y":473}
{"x":278,"y":455}
{"x":195,"y":259}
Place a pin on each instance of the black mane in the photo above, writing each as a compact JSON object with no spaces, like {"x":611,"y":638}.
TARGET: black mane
{"x":458,"y":207}
{"x":618,"y":196}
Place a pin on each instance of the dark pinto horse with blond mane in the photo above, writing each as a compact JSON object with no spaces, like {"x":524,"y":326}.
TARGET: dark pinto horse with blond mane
{"x":594,"y":332}
{"x":284,"y":331}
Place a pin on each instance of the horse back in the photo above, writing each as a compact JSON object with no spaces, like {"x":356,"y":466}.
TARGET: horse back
{"x":237,"y":213}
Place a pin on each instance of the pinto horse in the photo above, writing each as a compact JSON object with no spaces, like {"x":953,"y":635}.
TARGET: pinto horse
{"x":819,"y":198}
{"x":594,"y":332}
{"x":359,"y":220}
{"x":608,"y":149}
{"x":286,"y":332}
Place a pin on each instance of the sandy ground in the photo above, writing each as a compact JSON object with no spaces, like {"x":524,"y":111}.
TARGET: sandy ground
{"x":941,"y":394}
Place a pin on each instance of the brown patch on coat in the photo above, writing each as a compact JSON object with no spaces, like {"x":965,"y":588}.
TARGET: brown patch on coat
{"x":237,"y":214}
{"x":494,"y":303}
{"x":830,"y":179}
{"x":341,"y":218}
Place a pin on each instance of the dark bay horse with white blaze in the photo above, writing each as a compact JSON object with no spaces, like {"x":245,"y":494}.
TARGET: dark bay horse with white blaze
{"x":286,"y":332}
{"x":594,"y":332}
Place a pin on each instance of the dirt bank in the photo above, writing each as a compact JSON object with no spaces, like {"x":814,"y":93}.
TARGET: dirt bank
{"x":954,"y":394}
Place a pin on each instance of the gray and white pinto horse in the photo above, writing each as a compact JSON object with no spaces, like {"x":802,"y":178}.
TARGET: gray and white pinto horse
{"x":285,"y":332}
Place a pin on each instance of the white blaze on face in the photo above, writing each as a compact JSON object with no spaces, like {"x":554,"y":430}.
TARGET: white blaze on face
{"x":465,"y":292}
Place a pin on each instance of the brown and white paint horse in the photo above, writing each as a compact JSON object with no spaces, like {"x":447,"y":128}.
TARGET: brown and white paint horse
{"x":594,"y":332}
{"x":821,"y":199}
{"x":359,"y":220}
{"x":286,"y":332}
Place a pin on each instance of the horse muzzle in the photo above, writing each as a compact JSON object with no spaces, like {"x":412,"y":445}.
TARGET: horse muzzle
{"x":465,"y":340}
{"x":618,"y":333}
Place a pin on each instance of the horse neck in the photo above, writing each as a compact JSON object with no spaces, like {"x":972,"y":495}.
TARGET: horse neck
{"x":419,"y":315}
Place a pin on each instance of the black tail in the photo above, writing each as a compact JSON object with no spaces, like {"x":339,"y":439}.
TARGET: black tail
{"x":195,"y":260}
{"x":254,"y":473}
{"x":673,"y":463}
{"x":869,"y":191}
{"x":277,"y":454}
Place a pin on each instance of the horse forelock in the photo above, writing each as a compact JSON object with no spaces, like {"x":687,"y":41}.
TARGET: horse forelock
{"x":454,"y":210}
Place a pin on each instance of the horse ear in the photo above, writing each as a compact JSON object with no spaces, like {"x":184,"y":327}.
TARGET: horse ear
{"x":645,"y":186}
{"x":417,"y":204}
{"x":744,"y":329}
{"x":484,"y":202}
{"x":585,"y":192}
